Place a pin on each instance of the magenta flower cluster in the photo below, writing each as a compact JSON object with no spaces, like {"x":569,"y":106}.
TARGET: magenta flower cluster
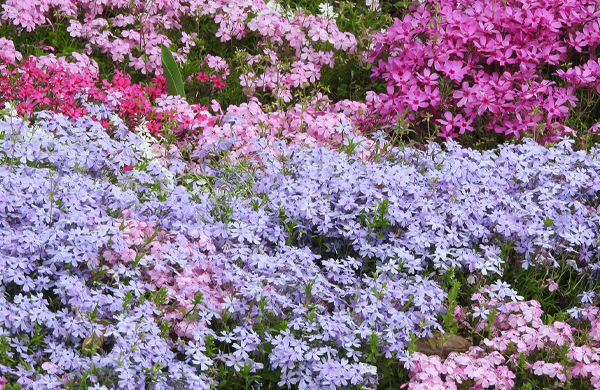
{"x":512,"y":67}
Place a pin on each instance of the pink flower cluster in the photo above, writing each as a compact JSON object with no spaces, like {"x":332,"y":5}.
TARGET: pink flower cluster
{"x":211,"y":76}
{"x":48,"y":82}
{"x":475,"y":64}
{"x":8,"y":52}
{"x":63,"y":85}
{"x":148,"y":247}
{"x":134,"y":102}
{"x":186,"y":118}
{"x":218,"y":65}
{"x":135,"y":30}
{"x":32,"y":14}
{"x":517,"y":330}
{"x":58,"y":84}
{"x":293,"y":52}
{"x":317,"y":123}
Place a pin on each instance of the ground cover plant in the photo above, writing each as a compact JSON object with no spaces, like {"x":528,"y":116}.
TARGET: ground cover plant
{"x":299,"y":195}
{"x":514,"y":67}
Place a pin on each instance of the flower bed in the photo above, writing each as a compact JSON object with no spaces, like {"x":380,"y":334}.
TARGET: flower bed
{"x":247,"y":217}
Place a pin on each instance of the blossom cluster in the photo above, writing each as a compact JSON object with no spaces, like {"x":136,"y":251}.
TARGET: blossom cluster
{"x":69,"y":85}
{"x":134,"y":276}
{"x":66,"y":85}
{"x":126,"y":275}
{"x":282,"y":241}
{"x":517,"y":332}
{"x":250,"y":127}
{"x":56,"y":229}
{"x":134,"y":31}
{"x":448,"y":209}
{"x":294,"y":52}
{"x":512,"y":67}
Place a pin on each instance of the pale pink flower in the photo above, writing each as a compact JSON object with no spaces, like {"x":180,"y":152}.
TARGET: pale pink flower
{"x":552,"y":285}
{"x":50,"y":367}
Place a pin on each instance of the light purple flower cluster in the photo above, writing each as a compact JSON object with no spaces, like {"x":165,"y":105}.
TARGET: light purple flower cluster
{"x":62,"y":184}
{"x":80,"y":284}
{"x":444,"y":208}
{"x":110,"y":267}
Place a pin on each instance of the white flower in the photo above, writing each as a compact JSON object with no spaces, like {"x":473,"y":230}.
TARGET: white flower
{"x":367,"y":368}
{"x":275,"y":6}
{"x":326,"y":11}
{"x":147,"y":141}
{"x":373,"y":5}
{"x":10,"y":108}
{"x":152,"y":151}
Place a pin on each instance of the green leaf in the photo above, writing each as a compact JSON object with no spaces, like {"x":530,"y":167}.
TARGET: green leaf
{"x":174,"y":80}
{"x":272,"y":376}
{"x":406,"y":3}
{"x":548,"y":222}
